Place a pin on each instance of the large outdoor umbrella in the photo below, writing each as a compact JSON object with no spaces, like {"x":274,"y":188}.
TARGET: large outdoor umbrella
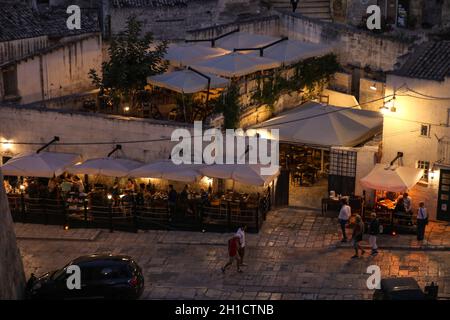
{"x":187,"y":81}
{"x":43,"y":164}
{"x":182,"y":54}
{"x":166,"y":169}
{"x":110,"y":167}
{"x":390,"y":178}
{"x":242,"y":40}
{"x":291,"y":51}
{"x":317,"y":124}
{"x":235,"y":64}
{"x":242,"y":173}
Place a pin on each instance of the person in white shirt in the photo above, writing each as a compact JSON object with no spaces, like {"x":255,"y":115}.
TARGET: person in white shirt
{"x":344,"y":216}
{"x":241,"y":235}
{"x":407,"y":202}
{"x":422,"y":221}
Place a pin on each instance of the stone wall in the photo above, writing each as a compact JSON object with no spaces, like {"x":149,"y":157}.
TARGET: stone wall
{"x":172,"y":22}
{"x":12,"y":277}
{"x":354,"y":47}
{"x":34,"y":125}
{"x":367,"y":95}
{"x":269,"y":25}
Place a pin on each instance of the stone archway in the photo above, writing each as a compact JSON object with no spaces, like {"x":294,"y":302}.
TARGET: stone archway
{"x":12,"y":277}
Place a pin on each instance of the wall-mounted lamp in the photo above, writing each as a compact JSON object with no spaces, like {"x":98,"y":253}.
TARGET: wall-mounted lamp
{"x":126,"y":109}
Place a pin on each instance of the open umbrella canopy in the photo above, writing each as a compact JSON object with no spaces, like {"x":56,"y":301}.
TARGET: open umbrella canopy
{"x":110,"y":167}
{"x":43,"y":164}
{"x":186,"y":81}
{"x":389,"y":178}
{"x":166,"y":169}
{"x":242,"y":40}
{"x":242,"y":173}
{"x":235,"y":65}
{"x":317,"y":124}
{"x":291,"y":51}
{"x":183,"y":54}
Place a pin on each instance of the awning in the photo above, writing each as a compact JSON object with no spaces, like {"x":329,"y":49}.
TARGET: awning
{"x":322,"y":125}
{"x":242,"y":173}
{"x":166,"y":169}
{"x":43,"y":164}
{"x":186,"y":81}
{"x":389,"y":178}
{"x":182,"y":54}
{"x":291,"y":51}
{"x":110,"y":167}
{"x":242,"y":40}
{"x":235,"y":65}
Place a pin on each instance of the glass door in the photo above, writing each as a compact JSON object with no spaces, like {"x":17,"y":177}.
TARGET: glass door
{"x":443,"y":210}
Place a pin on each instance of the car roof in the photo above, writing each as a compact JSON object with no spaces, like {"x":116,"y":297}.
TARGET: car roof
{"x":397,"y":284}
{"x":102,"y":257}
{"x":405,"y":288}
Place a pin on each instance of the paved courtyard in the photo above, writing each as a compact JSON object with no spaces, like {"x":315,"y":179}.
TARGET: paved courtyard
{"x":297,"y":255}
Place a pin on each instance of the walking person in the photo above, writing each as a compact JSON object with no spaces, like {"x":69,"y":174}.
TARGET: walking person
{"x":241,"y":235}
{"x":374,"y":230}
{"x":294,"y":4}
{"x":233,"y":254}
{"x":344,"y":216}
{"x":422,"y":221}
{"x":357,"y":236}
{"x":172,"y":201}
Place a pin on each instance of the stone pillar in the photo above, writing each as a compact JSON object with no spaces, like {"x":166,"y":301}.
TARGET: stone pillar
{"x":12,"y":277}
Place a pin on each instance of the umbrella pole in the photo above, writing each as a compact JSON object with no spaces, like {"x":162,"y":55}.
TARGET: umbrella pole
{"x":184,"y":106}
{"x":321,"y":160}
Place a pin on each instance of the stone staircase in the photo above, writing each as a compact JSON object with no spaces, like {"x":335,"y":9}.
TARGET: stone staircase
{"x":318,"y":9}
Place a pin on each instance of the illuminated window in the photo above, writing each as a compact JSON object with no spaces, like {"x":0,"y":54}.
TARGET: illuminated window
{"x":425,"y":130}
{"x":426,"y":166}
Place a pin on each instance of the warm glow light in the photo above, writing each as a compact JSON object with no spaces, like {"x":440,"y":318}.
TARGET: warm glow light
{"x":121,"y":196}
{"x":432,"y":174}
{"x":384,"y":110}
{"x":207,"y":180}
{"x":126,"y":109}
{"x":109,"y":196}
{"x":78,"y":163}
{"x":66,"y":227}
{"x":22,"y":187}
{"x":7,"y":145}
{"x":373,"y":87}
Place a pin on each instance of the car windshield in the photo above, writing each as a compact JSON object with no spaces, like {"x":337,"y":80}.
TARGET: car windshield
{"x":59,"y":273}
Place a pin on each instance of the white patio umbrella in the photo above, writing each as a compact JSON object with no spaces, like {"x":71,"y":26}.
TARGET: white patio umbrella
{"x":183,"y":54}
{"x":187,"y":81}
{"x":243,"y":173}
{"x":389,"y":178}
{"x":291,"y":51}
{"x":317,"y":124}
{"x":166,"y":169}
{"x":110,"y":167}
{"x":235,"y":65}
{"x":242,"y":40}
{"x":43,"y":164}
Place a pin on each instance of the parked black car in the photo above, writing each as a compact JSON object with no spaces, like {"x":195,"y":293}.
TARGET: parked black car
{"x":405,"y":288}
{"x":102,"y":276}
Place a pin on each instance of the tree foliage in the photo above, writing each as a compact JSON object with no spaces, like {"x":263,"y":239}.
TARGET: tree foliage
{"x":132,"y":58}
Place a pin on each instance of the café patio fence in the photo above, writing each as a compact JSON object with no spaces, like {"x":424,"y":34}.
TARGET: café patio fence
{"x":133,"y":216}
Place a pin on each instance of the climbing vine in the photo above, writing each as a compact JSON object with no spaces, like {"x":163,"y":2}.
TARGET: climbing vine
{"x":228,"y":104}
{"x":310,"y":75}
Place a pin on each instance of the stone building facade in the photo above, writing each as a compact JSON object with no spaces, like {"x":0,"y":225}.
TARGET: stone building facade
{"x":12,"y":277}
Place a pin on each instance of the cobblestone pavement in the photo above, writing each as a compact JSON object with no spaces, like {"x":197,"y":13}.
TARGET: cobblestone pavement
{"x":297,"y":255}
